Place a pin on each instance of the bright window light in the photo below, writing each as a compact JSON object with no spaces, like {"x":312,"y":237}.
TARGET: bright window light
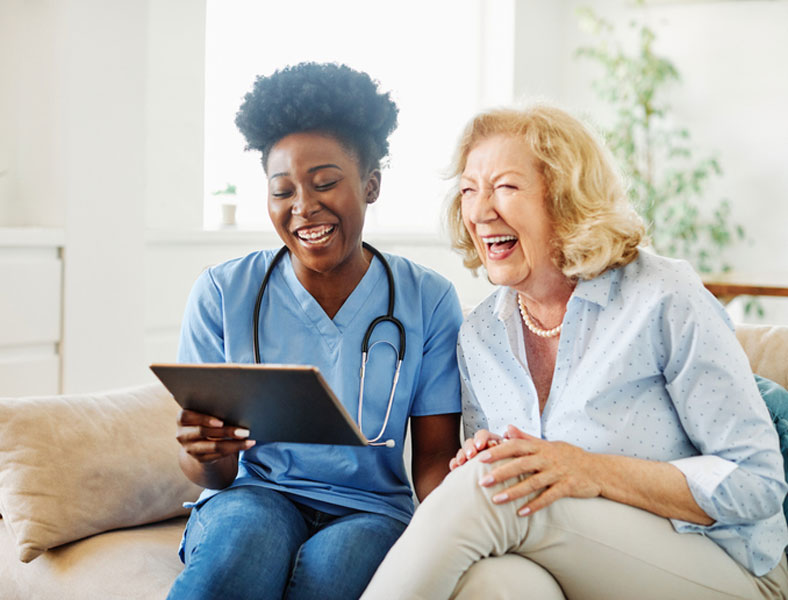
{"x":426,"y":53}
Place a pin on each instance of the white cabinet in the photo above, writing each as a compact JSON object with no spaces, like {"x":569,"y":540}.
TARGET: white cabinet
{"x":31,"y":275}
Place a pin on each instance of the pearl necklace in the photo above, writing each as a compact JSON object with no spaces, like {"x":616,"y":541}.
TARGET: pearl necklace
{"x":533,"y":327}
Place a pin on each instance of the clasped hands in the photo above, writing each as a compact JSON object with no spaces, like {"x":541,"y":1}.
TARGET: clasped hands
{"x":558,"y":469}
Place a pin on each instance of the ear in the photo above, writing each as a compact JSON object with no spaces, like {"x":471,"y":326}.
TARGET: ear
{"x":372,"y":190}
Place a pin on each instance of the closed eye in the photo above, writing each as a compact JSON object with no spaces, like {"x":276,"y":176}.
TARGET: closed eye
{"x":326,"y":186}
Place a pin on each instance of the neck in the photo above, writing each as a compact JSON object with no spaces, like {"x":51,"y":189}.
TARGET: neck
{"x":332,"y":288}
{"x":546,"y":300}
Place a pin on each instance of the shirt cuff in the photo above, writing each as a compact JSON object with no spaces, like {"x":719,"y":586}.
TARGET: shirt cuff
{"x":704,"y":472}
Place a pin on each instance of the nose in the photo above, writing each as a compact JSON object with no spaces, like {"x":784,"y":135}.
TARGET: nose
{"x":304,"y":204}
{"x":479,"y":207}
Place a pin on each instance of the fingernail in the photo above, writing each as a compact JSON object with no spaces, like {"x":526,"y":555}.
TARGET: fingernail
{"x":503,"y":497}
{"x":468,"y":452}
{"x":241,"y":433}
{"x":249,"y":443}
{"x":478,"y":444}
{"x":213,"y":422}
{"x":485,"y":456}
{"x":487,"y":480}
{"x":524,"y":511}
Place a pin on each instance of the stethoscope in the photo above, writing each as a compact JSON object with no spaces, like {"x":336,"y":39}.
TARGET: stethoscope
{"x":365,"y":347}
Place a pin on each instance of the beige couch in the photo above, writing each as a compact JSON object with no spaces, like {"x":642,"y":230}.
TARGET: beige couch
{"x":91,"y":493}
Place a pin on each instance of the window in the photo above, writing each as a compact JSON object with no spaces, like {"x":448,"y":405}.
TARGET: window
{"x":425,"y":52}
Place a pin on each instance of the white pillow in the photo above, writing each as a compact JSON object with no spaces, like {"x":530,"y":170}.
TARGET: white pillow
{"x":72,"y":466}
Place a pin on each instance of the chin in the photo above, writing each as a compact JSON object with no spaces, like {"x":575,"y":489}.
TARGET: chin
{"x":323,"y":260}
{"x":504,"y":277}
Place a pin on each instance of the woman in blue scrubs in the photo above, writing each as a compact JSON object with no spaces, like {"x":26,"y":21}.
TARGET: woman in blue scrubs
{"x":282,"y":520}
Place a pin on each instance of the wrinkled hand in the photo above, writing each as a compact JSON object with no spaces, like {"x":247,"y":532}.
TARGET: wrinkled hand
{"x":481,"y":440}
{"x":557,"y":468}
{"x":206,"y":439}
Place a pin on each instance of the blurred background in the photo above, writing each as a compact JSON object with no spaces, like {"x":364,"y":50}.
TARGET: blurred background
{"x":122,"y":174}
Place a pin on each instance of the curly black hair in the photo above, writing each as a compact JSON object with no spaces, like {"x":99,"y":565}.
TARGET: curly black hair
{"x":320,"y":97}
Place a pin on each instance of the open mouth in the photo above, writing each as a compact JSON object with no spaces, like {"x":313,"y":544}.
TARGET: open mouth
{"x":499,"y":244}
{"x":319,"y":234}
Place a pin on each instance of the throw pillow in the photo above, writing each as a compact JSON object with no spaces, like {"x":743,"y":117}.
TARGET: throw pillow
{"x":776,"y":398}
{"x":72,"y":466}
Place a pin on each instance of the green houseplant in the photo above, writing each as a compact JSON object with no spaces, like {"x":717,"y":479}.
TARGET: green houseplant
{"x":667,"y":179}
{"x":227,"y":194}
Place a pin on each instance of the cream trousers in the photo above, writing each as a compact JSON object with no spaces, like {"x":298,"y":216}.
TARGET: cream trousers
{"x":461,"y":545}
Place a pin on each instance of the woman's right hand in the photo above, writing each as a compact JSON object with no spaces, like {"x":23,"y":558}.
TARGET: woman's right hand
{"x":472,"y":446}
{"x":206,"y":439}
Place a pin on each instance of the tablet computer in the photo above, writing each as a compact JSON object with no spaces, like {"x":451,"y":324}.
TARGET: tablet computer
{"x":276,"y":403}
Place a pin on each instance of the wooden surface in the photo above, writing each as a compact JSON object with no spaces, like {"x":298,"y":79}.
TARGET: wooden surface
{"x":730,"y":285}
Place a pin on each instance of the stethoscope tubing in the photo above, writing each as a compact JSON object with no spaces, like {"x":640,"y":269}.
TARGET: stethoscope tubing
{"x":388,"y":317}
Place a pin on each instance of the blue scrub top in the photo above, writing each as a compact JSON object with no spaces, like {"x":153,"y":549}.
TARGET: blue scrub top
{"x":294,"y":329}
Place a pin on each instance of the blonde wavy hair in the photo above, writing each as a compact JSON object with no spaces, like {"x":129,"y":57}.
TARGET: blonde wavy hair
{"x":595,"y":226}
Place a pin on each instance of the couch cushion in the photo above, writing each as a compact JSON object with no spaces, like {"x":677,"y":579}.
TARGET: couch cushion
{"x":766,"y":347}
{"x":133,"y":564}
{"x":72,"y":466}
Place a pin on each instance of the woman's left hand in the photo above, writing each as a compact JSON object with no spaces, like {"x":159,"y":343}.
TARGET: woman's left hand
{"x":557,"y":468}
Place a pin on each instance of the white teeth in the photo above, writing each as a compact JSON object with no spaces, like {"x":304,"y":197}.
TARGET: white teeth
{"x":315,"y":234}
{"x":496,"y":239}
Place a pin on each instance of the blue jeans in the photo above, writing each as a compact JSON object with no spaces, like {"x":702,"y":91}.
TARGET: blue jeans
{"x":253,"y":542}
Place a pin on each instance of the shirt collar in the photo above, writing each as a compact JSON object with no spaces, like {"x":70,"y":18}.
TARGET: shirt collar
{"x":597,"y":290}
{"x":505,"y":303}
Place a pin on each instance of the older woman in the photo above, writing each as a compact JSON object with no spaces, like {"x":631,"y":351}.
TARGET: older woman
{"x":617,"y":446}
{"x":283,"y":520}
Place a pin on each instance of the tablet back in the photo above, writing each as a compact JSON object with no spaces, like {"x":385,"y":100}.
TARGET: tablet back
{"x":277,"y":403}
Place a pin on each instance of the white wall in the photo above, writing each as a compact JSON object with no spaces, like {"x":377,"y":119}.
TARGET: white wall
{"x":732,"y":56}
{"x":539,"y":50}
{"x":101,"y":133}
{"x":174,"y":104}
{"x":102,"y":82}
{"x":29,"y":105}
{"x":104,"y":101}
{"x":7,"y":109}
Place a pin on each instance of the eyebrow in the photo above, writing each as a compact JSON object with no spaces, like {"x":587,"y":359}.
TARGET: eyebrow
{"x":495,"y":177}
{"x":310,"y":170}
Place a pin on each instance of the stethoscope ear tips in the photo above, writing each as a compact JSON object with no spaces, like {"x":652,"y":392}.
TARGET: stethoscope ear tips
{"x":390,"y":443}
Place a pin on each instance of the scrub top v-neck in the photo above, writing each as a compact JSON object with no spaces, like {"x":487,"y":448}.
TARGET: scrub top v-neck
{"x":294,"y":329}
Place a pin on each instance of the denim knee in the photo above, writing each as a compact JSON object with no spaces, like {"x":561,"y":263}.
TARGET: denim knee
{"x":240,"y":544}
{"x":338,"y":561}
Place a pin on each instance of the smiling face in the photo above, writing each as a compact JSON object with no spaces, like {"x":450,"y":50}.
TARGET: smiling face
{"x":317,"y":200}
{"x":503,"y":209}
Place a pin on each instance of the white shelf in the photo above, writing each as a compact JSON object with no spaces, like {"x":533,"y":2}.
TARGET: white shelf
{"x":31,"y":237}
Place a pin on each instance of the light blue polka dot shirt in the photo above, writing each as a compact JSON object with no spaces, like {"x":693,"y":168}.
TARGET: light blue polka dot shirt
{"x":647,"y":366}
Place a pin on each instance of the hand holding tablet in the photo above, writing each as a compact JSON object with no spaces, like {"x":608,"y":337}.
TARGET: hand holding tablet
{"x":276,"y":403}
